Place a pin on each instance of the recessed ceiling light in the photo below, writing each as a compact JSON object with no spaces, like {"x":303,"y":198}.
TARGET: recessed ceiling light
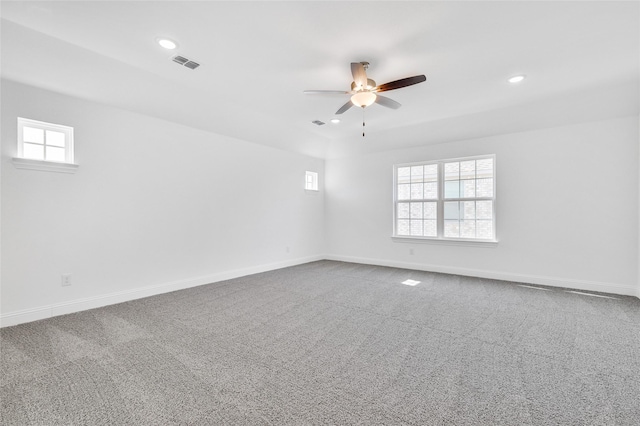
{"x":516,"y":78}
{"x":335,"y":120}
{"x":167,"y":44}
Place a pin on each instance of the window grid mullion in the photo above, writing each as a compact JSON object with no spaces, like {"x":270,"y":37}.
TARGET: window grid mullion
{"x":469,"y":199}
{"x":44,"y":142}
{"x":440,"y":200}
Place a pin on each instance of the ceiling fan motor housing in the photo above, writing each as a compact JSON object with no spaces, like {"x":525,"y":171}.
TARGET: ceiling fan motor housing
{"x":370,"y":85}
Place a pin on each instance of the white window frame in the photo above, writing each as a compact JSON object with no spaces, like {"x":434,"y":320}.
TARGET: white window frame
{"x":440,"y":203}
{"x":67,"y":166}
{"x":311,"y":181}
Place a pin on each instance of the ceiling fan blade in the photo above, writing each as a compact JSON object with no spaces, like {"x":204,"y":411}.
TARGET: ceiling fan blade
{"x":325,"y":92}
{"x":386,"y":102}
{"x":344,"y":107}
{"x":404,"y":82}
{"x":359,"y":74}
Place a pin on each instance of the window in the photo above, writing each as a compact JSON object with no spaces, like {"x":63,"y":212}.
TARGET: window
{"x":42,"y":141}
{"x":447,"y":199}
{"x":311,"y":181}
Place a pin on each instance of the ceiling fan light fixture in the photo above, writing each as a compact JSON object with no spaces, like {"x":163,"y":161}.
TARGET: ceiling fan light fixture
{"x":335,"y":120}
{"x":363,"y":99}
{"x":516,"y":78}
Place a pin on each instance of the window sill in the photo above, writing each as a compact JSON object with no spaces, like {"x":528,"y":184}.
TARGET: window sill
{"x":451,"y":242}
{"x":44,"y":166}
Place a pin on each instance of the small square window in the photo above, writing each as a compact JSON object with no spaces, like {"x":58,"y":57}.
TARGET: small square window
{"x":311,"y":181}
{"x":42,"y":141}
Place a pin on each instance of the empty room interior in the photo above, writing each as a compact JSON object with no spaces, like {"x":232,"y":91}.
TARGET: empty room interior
{"x":319,"y":212}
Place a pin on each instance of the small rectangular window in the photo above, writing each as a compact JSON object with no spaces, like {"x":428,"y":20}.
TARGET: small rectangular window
{"x":447,"y":199}
{"x":311,"y":181}
{"x":42,"y":141}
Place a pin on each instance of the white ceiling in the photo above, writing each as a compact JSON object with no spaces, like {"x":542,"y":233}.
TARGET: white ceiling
{"x":581,"y":60}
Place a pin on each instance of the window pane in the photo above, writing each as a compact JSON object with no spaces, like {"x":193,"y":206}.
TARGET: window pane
{"x":484,"y":168}
{"x":403,"y":227}
{"x":32,"y":151}
{"x":416,"y":210}
{"x":404,"y":192}
{"x":431,"y":173}
{"x":452,"y":171}
{"x":484,"y":229}
{"x":431,"y":190}
{"x":466,"y":193}
{"x":55,"y":138}
{"x":417,"y":190}
{"x":30,"y":134}
{"x":430,"y":228}
{"x":311,"y":181}
{"x":469,"y":209}
{"x":468,"y":169}
{"x":53,"y":153}
{"x":451,"y":210}
{"x":451,"y":228}
{"x":452,"y":189}
{"x":468,"y":228}
{"x":468,"y":188}
{"x":416,"y":228}
{"x":404,"y":174}
{"x":403,"y":210}
{"x":484,"y":209}
{"x":417,"y":174}
{"x":484,"y":188}
{"x":430,"y":210}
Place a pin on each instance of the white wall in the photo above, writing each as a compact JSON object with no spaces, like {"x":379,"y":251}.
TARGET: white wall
{"x":567,"y":208}
{"x":154,"y":206}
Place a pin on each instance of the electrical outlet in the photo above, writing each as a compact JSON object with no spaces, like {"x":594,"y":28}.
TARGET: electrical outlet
{"x":66,"y":280}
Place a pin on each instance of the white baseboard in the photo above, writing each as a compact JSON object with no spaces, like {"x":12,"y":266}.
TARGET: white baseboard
{"x":622,"y":289}
{"x":43,"y":312}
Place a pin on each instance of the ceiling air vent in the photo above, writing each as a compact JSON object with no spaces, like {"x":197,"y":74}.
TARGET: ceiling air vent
{"x":180,"y":59}
{"x":192,"y":65}
{"x":185,"y":62}
{"x":318,"y":122}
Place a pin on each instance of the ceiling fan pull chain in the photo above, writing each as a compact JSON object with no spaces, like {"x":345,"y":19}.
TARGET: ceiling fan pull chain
{"x":363,"y":122}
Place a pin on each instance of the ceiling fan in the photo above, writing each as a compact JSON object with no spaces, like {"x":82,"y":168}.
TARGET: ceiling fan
{"x":364,"y":91}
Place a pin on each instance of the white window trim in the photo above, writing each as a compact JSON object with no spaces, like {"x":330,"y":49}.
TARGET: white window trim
{"x":441,"y":239}
{"x":447,"y":241}
{"x":43,"y":165}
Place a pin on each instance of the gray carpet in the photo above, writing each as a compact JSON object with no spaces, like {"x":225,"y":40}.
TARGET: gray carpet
{"x":331,"y":343}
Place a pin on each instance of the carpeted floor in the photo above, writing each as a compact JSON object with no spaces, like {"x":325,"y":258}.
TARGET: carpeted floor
{"x":332,"y":343}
